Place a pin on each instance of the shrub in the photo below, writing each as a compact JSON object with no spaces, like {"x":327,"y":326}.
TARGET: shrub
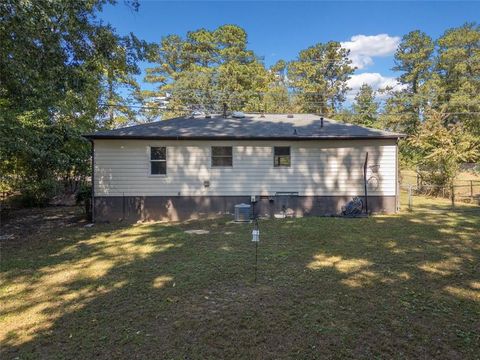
{"x":37,"y":193}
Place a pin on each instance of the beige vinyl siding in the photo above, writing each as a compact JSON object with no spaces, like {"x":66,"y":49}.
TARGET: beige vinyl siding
{"x":322,"y":168}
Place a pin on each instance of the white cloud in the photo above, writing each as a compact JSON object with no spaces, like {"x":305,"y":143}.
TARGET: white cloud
{"x":375,"y":80}
{"x":363,"y":48}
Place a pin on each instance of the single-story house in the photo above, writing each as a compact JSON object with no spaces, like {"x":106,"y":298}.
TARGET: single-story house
{"x":202,"y":166}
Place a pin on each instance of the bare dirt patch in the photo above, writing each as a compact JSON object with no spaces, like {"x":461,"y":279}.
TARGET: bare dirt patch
{"x":25,"y":225}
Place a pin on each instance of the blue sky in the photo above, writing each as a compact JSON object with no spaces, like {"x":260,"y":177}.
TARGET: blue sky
{"x":279,"y":30}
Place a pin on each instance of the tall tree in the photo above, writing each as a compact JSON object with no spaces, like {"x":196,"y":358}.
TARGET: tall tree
{"x":320,"y":75}
{"x":365,"y":107}
{"x":58,"y":65}
{"x":413,"y":59}
{"x":458,"y":67}
{"x":206,"y":70}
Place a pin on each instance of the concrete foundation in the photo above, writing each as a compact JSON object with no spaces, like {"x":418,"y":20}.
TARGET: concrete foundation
{"x":178,"y":208}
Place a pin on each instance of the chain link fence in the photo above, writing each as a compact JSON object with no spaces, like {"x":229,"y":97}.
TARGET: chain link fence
{"x":464,"y":195}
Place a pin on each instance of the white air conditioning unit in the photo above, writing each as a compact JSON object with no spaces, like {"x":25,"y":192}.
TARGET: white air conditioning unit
{"x":242,"y":213}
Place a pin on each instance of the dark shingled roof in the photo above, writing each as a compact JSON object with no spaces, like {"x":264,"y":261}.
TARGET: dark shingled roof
{"x":252,"y":126}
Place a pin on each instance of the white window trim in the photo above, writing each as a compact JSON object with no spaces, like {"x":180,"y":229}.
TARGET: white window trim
{"x":222,"y":167}
{"x":149,"y":167}
{"x":273,"y":157}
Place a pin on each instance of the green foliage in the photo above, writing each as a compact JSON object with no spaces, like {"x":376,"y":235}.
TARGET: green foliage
{"x":320,"y":76}
{"x":64,"y":73}
{"x":344,"y":115}
{"x":458,"y":65}
{"x":276,"y":97}
{"x":84,"y":194}
{"x":37,"y":193}
{"x":439,"y":106}
{"x":414,"y":59}
{"x":365,"y":107}
{"x":441,"y":149}
{"x":206,"y":70}
{"x":59,"y":66}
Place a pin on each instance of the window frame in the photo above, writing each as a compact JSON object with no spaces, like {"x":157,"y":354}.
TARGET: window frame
{"x":221,"y":156}
{"x":150,"y":160}
{"x":275,"y":165}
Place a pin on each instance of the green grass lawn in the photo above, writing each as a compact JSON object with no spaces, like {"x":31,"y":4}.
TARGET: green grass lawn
{"x":400,"y":286}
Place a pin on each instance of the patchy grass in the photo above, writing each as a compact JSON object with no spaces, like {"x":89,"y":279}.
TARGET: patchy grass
{"x":428,"y":204}
{"x":403,"y":286}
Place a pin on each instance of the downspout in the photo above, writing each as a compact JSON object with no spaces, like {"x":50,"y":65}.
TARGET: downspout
{"x":365,"y":182}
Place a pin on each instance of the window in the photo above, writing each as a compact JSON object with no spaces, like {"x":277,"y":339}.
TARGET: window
{"x":221,"y":156}
{"x":281,"y":156}
{"x":158,"y":160}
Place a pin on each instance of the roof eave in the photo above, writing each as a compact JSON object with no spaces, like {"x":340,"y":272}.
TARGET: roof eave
{"x":295,"y":138}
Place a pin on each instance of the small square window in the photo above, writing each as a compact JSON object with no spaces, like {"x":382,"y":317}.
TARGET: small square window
{"x":222,"y":156}
{"x":281,"y":157}
{"x":158,"y":160}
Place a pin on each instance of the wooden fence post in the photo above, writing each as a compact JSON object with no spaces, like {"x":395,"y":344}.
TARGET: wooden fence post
{"x":410,"y":197}
{"x":453,"y":196}
{"x":471,"y":191}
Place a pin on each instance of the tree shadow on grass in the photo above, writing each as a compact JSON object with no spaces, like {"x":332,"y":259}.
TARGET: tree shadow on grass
{"x":410,"y":284}
{"x":390,"y":286}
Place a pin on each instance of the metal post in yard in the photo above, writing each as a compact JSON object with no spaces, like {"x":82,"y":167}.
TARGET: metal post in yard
{"x":410,"y":197}
{"x":256,"y":260}
{"x":256,"y":239}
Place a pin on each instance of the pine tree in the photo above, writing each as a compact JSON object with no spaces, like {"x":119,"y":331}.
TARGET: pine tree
{"x":206,"y":70}
{"x":365,"y":107}
{"x":458,"y":68}
{"x":319,"y":76}
{"x":414,"y":59}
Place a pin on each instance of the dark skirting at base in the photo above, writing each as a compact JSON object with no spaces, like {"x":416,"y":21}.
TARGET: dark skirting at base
{"x":178,"y":208}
